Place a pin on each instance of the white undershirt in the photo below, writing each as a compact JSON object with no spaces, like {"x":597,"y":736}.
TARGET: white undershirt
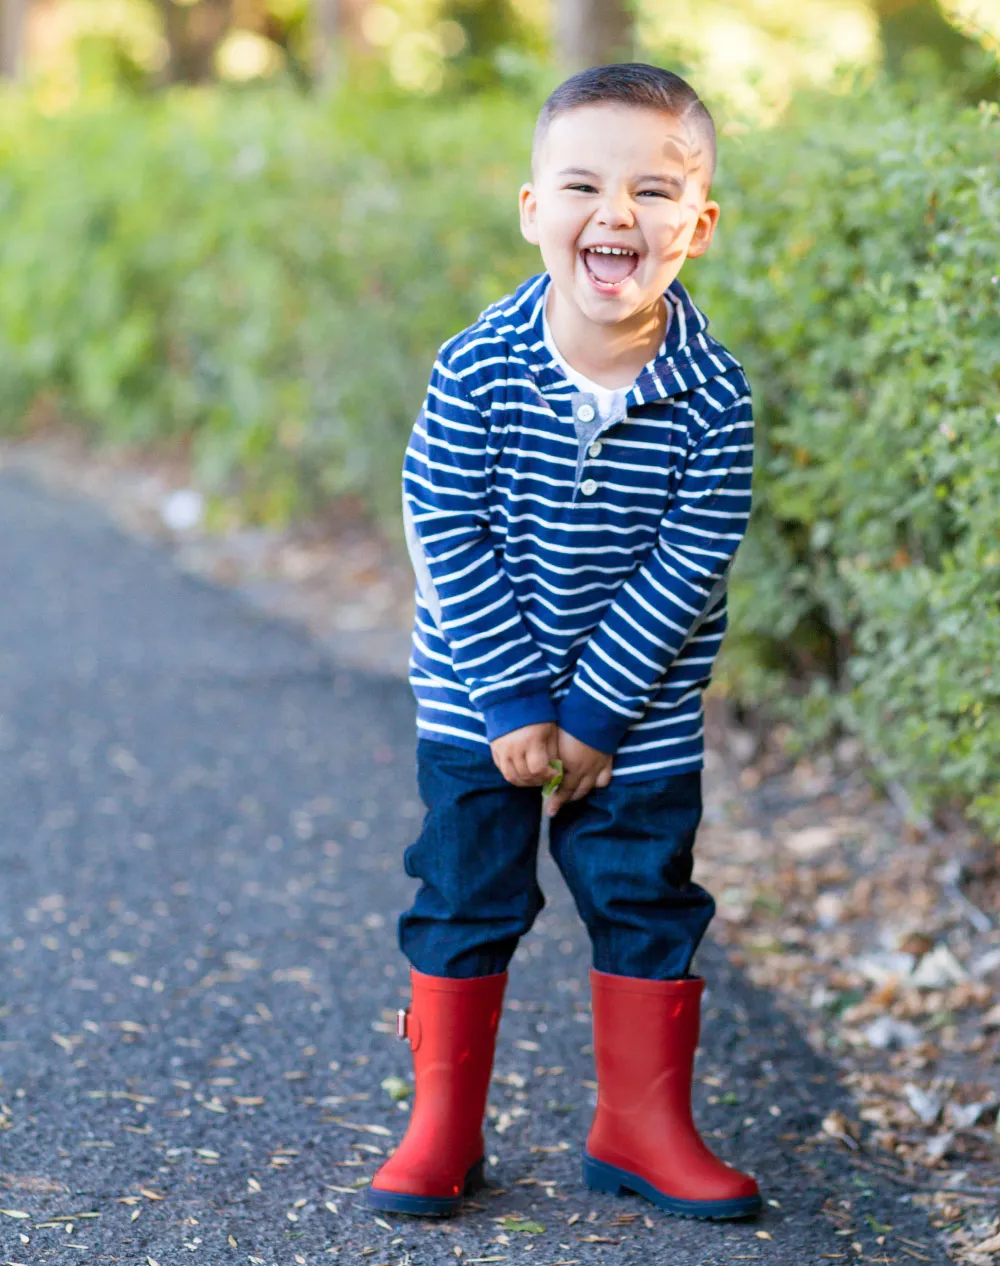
{"x":609,"y":399}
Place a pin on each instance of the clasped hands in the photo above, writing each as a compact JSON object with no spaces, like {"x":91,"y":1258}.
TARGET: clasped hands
{"x":523,"y":757}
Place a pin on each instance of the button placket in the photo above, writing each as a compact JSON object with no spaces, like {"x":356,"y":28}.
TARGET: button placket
{"x":588,"y":426}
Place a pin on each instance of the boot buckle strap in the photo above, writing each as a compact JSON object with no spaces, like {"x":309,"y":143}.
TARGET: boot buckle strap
{"x":408,"y":1026}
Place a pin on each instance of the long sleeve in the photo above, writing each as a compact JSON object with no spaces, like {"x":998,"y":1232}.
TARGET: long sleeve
{"x":460,"y":580}
{"x":659,"y":606}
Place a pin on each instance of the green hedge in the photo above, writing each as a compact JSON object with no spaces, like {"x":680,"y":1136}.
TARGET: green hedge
{"x":269,"y":278}
{"x":265,"y":275}
{"x":858,"y":276}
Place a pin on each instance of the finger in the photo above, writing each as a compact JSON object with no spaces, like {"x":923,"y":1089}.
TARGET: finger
{"x":536,"y":762}
{"x":604,"y":777}
{"x":525,"y":777}
{"x":583,"y":788}
{"x":563,"y":793}
{"x":555,"y":802}
{"x":517,"y":774}
{"x":501,"y":764}
{"x":571,"y":776}
{"x":508,"y":767}
{"x":528,"y":766}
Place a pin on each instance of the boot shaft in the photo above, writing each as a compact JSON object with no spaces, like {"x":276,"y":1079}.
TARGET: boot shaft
{"x":645,"y":1032}
{"x":452,"y":1028}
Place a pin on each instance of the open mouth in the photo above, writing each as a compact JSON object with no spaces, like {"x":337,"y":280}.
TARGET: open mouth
{"x":609,"y":266}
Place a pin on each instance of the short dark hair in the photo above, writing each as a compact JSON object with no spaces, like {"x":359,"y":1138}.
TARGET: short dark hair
{"x":634,"y":84}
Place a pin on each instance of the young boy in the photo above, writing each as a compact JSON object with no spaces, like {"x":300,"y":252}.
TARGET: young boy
{"x":574,"y":491}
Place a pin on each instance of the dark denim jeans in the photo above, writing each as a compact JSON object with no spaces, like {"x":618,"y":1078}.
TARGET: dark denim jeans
{"x":624,"y":851}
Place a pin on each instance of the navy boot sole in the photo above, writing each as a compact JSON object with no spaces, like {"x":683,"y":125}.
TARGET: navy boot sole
{"x":426,"y":1206}
{"x":600,"y":1176}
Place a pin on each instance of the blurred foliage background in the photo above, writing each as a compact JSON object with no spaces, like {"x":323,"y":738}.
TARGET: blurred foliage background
{"x":241,"y":228}
{"x":752,"y":55}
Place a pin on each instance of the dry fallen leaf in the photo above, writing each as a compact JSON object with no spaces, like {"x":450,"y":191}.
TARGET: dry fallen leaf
{"x":810,"y":841}
{"x":839,"y":1127}
{"x":926,"y":1104}
{"x":991,"y":1020}
{"x":886,"y":1032}
{"x":939,"y":1146}
{"x":367,"y":1129}
{"x":964,"y":1115}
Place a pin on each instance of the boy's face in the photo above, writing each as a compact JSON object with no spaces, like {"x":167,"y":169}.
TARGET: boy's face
{"x":610,"y":175}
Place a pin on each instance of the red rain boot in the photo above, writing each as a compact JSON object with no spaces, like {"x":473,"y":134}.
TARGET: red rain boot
{"x":643,"y":1138}
{"x":452,"y":1027}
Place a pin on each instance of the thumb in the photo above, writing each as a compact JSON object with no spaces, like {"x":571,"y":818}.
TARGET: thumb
{"x":603,"y":779}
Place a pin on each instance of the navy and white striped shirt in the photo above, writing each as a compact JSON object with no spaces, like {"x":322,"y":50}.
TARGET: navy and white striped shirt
{"x":569,"y":567}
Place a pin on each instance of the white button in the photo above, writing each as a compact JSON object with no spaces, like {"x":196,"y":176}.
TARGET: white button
{"x":586,"y":413}
{"x":595,"y":448}
{"x":588,"y":487}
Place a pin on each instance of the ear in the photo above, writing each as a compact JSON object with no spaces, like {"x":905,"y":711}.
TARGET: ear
{"x":704,"y":230}
{"x":528,"y":204}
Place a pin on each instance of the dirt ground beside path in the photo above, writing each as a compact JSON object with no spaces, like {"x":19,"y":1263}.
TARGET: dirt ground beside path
{"x":879,"y":935}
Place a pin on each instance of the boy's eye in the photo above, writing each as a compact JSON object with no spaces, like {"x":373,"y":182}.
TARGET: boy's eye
{"x":643,"y":193}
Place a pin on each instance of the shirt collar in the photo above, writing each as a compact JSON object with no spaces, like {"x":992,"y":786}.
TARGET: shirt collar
{"x":687,"y":358}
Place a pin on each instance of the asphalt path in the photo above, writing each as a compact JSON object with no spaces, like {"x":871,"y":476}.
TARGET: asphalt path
{"x":201,"y":826}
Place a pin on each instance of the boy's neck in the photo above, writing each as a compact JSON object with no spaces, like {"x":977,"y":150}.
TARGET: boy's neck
{"x":611,"y":355}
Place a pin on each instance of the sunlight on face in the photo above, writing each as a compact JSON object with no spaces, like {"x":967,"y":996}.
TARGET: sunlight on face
{"x":617,"y":203}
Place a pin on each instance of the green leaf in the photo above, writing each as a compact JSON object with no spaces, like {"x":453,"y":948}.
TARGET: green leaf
{"x":557,"y":766}
{"x":517,"y":1224}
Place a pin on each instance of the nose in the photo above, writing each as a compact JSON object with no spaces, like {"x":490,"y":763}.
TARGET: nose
{"x":615,"y":210}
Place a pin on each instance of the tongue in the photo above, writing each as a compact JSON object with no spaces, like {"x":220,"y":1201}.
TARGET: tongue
{"x":610,"y":268}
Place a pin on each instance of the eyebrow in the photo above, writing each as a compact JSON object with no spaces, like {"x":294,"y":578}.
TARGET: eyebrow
{"x":661,"y":180}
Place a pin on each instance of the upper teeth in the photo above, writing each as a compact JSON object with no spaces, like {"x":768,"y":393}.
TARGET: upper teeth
{"x":612,"y":250}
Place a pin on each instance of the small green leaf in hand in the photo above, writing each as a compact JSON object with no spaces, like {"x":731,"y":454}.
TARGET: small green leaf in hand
{"x":556,"y":778}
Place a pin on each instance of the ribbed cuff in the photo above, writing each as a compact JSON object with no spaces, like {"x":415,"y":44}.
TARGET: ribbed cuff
{"x":586,"y":720}
{"x":511,"y":714}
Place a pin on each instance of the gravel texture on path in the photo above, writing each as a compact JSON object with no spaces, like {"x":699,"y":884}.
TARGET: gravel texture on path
{"x":201,"y":826}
